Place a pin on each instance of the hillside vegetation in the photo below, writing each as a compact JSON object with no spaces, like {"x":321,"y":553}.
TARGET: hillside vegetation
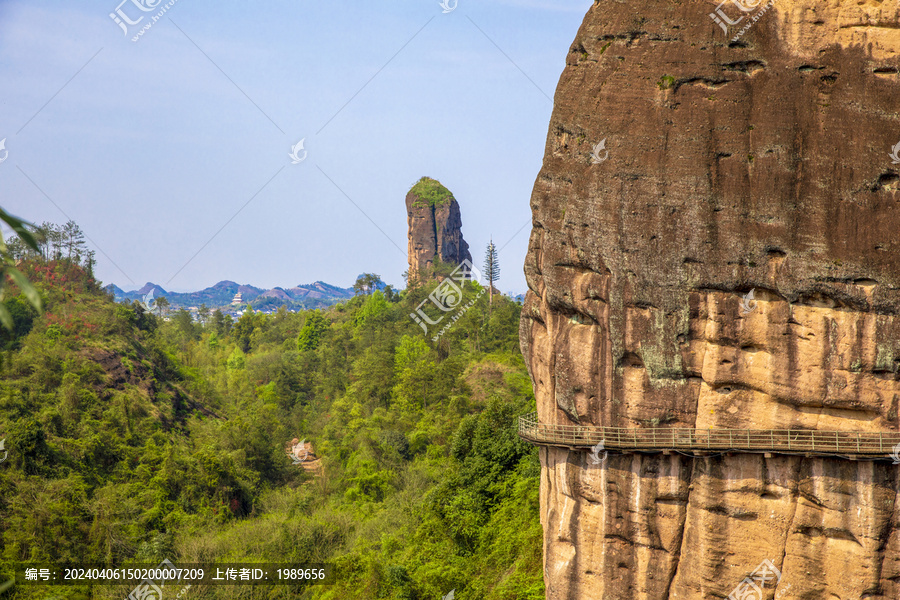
{"x":133,"y":438}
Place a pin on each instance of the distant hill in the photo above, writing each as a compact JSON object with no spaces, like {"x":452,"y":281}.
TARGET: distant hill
{"x":115,"y":290}
{"x":216,"y":296}
{"x":157,"y":290}
{"x":221,"y":294}
{"x":313,"y":295}
{"x":121,"y":294}
{"x":320,"y":290}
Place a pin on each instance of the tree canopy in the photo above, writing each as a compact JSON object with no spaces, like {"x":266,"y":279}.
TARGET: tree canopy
{"x":133,"y":439}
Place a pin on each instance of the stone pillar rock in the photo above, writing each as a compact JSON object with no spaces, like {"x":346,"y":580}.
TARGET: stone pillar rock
{"x":435,"y":228}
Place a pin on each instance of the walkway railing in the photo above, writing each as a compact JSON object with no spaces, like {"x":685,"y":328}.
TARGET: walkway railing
{"x":656,"y":439}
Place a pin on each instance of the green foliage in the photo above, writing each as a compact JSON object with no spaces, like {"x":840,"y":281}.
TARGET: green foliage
{"x":311,"y":333}
{"x":28,"y":439}
{"x":8,"y":269}
{"x":22,"y":315}
{"x":414,"y":372}
{"x":162,"y":304}
{"x":374,"y":306}
{"x":666,"y":82}
{"x":243,"y":330}
{"x":221,"y":322}
{"x":236,"y":360}
{"x":132,"y":438}
{"x":367,"y":283}
{"x":394,"y":441}
{"x":491,"y":264}
{"x":430,"y":192}
{"x":185,"y":325}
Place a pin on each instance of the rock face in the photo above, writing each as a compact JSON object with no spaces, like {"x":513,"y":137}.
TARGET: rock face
{"x":726,"y":166}
{"x":435,"y":228}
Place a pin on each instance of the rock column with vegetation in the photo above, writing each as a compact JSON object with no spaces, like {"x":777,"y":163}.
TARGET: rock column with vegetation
{"x":435,"y":229}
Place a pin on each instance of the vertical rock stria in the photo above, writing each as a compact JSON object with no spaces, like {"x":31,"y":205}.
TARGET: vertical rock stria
{"x":435,"y":229}
{"x":761,"y":162}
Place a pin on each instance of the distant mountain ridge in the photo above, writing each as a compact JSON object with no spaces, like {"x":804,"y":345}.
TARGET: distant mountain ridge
{"x":221,"y":295}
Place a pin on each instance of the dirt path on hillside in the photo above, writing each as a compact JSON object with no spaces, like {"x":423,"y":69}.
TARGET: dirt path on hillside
{"x":302,"y":454}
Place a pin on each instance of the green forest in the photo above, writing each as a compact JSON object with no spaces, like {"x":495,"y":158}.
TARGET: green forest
{"x":134,"y":438}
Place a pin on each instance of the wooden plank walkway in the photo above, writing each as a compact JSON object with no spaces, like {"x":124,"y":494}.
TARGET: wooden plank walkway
{"x":660,"y":439}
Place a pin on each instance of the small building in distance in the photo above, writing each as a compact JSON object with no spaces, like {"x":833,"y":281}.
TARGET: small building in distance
{"x":237,"y":300}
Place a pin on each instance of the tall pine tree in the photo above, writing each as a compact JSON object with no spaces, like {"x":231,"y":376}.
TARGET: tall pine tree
{"x":491,"y":271}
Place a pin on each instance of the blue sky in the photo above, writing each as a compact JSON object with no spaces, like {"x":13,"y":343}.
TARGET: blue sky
{"x":172,"y":152}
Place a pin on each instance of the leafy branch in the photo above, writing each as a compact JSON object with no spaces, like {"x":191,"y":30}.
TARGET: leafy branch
{"x":8,"y":266}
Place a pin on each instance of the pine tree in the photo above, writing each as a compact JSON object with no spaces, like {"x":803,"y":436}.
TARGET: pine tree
{"x":72,"y":239}
{"x":162,"y":304}
{"x":491,"y":271}
{"x":89,"y":262}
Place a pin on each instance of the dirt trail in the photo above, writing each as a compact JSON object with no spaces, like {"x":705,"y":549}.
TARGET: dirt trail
{"x":303,"y":455}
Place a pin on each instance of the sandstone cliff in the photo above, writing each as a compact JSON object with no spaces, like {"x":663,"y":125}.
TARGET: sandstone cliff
{"x":726,"y":165}
{"x":435,"y":229}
